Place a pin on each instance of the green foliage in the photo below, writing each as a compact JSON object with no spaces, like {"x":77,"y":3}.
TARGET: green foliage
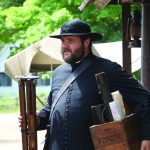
{"x":9,"y":103}
{"x":104,"y":21}
{"x":136,"y":6}
{"x":32,"y":20}
{"x":45,"y":75}
{"x":137,"y":75}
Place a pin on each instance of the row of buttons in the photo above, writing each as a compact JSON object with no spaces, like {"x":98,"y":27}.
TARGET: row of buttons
{"x":66,"y":116}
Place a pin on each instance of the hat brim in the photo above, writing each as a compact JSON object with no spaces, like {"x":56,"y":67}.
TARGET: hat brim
{"x":94,"y":36}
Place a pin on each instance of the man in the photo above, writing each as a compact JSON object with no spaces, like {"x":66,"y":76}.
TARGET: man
{"x":70,"y":116}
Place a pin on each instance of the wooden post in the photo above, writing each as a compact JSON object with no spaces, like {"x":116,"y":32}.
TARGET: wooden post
{"x":145,"y":57}
{"x":125,"y":43}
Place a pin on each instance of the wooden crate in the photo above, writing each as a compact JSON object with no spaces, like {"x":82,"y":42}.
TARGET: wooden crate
{"x":120,"y":135}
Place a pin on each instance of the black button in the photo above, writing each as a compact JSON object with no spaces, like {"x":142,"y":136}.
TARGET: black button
{"x":67,"y":105}
{"x":65,"y":142}
{"x":68,"y":101}
{"x":69,"y":93}
{"x":69,"y":97}
{"x":67,"y":114}
{"x":70,"y":89}
{"x":67,"y":110}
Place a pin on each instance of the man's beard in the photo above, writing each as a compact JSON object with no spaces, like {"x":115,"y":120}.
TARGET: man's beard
{"x":74,"y":57}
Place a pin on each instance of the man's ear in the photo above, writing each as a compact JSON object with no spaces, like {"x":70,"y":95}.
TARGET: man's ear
{"x":87,"y":42}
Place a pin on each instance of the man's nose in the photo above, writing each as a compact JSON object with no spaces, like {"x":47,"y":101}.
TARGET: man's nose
{"x":64,"y":45}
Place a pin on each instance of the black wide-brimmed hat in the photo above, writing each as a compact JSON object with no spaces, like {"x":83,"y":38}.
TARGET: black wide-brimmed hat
{"x":77,"y":27}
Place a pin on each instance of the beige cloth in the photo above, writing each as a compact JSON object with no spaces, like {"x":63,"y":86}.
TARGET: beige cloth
{"x":42,"y":56}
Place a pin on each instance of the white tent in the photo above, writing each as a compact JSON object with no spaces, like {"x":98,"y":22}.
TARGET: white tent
{"x":45,"y":55}
{"x":113,"y":51}
{"x":41,"y":56}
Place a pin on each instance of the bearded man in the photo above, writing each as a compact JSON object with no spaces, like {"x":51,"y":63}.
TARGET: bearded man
{"x":68,"y":114}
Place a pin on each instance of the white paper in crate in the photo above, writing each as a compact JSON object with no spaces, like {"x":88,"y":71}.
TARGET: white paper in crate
{"x":117,"y":107}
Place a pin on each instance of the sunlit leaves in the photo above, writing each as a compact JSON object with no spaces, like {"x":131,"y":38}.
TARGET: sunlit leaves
{"x":35,"y":19}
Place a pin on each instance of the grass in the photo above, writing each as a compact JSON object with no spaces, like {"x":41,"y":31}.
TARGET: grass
{"x":12,"y":105}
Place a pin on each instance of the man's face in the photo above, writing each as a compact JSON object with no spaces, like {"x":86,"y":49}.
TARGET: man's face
{"x":72,"y":49}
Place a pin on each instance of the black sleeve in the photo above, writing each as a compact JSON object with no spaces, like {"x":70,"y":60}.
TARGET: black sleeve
{"x":135,"y":95}
{"x":44,"y":114}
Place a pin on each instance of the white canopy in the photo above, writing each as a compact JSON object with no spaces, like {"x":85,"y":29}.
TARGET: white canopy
{"x":42,"y":56}
{"x":113,"y":51}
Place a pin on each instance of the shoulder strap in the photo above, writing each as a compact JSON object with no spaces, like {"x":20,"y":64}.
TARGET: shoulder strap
{"x":70,"y":79}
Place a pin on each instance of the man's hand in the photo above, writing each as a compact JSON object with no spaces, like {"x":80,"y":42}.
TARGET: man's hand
{"x":20,"y":118}
{"x":145,"y":145}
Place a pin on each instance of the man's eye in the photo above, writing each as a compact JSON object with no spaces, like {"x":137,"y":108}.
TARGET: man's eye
{"x":69,"y":40}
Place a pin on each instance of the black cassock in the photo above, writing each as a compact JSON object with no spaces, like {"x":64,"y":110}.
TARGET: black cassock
{"x":71,"y":118}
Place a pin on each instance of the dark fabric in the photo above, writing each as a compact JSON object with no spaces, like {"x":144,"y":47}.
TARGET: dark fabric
{"x":85,"y":64}
{"x":47,"y":138}
{"x":70,"y":122}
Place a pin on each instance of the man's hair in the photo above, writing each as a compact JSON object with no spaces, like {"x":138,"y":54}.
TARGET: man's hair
{"x":83,"y":38}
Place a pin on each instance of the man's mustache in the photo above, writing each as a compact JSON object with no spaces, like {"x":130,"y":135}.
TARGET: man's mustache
{"x":65,"y":50}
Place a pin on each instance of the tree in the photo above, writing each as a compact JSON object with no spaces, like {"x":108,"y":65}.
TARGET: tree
{"x":30,"y":21}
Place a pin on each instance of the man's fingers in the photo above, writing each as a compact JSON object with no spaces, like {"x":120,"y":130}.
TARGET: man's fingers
{"x":20,"y":120}
{"x":145,"y":145}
